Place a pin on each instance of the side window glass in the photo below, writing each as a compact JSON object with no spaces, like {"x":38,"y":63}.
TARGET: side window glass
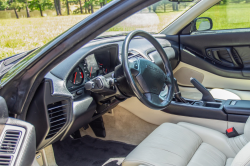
{"x":227,"y":14}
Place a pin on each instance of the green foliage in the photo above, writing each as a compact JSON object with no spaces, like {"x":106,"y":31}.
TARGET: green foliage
{"x":40,"y":5}
{"x":17,"y":5}
{"x":4,"y":4}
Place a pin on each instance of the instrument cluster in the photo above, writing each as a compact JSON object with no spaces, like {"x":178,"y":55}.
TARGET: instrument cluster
{"x":88,"y":69}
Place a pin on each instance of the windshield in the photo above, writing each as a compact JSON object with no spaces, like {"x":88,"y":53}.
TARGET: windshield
{"x":34,"y":28}
{"x":152,"y":19}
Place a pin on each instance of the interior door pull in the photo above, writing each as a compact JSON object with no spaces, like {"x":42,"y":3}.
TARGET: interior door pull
{"x":223,"y":56}
{"x":229,"y":50}
{"x":215,"y":55}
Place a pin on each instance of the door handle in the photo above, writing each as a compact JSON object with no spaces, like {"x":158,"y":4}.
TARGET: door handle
{"x":214,"y":54}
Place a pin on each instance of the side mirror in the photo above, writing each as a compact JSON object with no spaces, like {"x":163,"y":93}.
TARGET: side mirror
{"x":202,"y":24}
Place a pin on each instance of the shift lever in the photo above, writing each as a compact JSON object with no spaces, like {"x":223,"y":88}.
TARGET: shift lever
{"x":177,"y":93}
{"x":206,"y":95}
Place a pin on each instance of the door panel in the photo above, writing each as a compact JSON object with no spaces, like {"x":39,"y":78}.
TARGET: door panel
{"x":182,"y":74}
{"x":224,"y":54}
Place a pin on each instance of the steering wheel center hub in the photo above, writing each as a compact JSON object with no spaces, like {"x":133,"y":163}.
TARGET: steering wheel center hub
{"x":151,"y":78}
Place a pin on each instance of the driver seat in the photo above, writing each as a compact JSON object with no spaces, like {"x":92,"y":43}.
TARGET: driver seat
{"x":186,"y":144}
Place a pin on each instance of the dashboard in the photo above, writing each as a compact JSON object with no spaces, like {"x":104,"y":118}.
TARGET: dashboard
{"x":62,"y":102}
{"x":97,"y":63}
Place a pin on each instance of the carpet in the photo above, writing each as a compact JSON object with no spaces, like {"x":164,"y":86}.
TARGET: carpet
{"x":88,"y":151}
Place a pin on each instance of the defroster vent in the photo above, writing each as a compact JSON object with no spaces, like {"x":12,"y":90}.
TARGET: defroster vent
{"x":10,"y":141}
{"x":57,"y":117}
{"x":5,"y":160}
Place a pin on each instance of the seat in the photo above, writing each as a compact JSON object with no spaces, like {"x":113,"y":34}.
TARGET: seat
{"x":186,"y":144}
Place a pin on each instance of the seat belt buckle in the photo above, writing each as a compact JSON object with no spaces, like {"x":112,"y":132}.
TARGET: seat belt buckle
{"x":231,"y":132}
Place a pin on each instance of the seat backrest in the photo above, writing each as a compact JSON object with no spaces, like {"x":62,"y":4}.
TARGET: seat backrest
{"x":247,"y":130}
{"x":243,"y":156}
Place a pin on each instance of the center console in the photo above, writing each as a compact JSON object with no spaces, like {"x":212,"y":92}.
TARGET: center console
{"x":237,"y":110}
{"x":208,"y":107}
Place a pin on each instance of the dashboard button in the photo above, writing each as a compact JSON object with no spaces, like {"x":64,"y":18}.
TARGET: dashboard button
{"x":79,"y":92}
{"x":136,"y":65}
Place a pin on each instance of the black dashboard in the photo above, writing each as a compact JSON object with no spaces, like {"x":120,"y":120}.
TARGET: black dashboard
{"x":62,"y":104}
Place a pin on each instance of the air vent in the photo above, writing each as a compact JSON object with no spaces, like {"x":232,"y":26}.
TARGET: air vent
{"x":131,"y":55}
{"x":57,"y":117}
{"x":5,"y":160}
{"x":10,"y":141}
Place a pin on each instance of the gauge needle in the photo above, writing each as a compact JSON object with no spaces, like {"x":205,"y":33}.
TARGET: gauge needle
{"x":75,"y":77}
{"x":90,"y":71}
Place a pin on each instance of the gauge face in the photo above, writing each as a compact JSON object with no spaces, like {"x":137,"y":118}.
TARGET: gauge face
{"x":91,"y":68}
{"x":77,"y":76}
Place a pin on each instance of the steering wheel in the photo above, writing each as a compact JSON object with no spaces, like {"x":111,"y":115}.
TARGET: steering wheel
{"x":145,"y":78}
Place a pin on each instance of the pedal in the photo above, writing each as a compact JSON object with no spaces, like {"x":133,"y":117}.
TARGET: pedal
{"x":98,"y":127}
{"x":76,"y":135}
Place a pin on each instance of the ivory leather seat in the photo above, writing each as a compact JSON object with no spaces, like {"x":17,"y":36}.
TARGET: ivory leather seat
{"x":186,"y":144}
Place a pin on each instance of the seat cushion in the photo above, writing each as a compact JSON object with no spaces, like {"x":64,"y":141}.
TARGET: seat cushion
{"x":169,"y":144}
{"x":177,"y":145}
{"x":207,"y":155}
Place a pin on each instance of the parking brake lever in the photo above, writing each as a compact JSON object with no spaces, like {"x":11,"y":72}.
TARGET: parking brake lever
{"x":206,"y":95}
{"x":177,"y":93}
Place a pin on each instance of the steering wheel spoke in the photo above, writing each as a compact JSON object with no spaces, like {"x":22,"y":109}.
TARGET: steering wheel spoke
{"x":168,"y":80}
{"x":154,"y":98}
{"x":134,"y":67}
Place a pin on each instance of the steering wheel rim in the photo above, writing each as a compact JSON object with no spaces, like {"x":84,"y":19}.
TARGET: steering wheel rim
{"x":151,"y":100}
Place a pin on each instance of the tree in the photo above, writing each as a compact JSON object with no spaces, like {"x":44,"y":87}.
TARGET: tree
{"x":16,"y":5}
{"x":26,"y":6}
{"x":4,"y":4}
{"x":40,"y":5}
{"x":175,"y":6}
{"x":67,"y":6}
{"x":80,"y":3}
{"x":85,"y":6}
{"x":57,"y":4}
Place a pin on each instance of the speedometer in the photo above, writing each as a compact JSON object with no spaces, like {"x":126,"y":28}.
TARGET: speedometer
{"x":77,"y":76}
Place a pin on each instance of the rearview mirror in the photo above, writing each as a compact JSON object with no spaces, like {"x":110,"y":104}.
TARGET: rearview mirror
{"x":181,"y":0}
{"x":202,"y":24}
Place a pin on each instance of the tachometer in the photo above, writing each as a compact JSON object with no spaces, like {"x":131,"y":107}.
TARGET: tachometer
{"x":91,"y":67}
{"x":77,"y":76}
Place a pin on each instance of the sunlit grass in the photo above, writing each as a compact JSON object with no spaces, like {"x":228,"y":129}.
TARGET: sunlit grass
{"x":19,"y":35}
{"x":230,"y":16}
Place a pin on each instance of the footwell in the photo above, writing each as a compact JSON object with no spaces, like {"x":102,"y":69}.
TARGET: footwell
{"x":88,"y":151}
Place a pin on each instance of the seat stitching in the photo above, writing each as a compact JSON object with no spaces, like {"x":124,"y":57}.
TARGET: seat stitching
{"x":243,"y":136}
{"x":165,"y":150}
{"x":231,"y":142}
{"x":230,"y":146}
{"x":193,"y":154}
{"x":174,"y":142}
{"x":143,"y":162}
{"x":215,"y":151}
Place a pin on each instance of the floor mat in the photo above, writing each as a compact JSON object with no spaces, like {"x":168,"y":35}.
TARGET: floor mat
{"x":88,"y":151}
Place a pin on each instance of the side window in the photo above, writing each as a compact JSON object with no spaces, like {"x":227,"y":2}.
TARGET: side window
{"x":227,"y":14}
